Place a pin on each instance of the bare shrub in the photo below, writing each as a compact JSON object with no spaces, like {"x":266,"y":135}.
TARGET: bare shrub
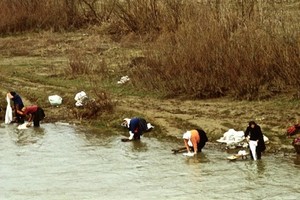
{"x":138,"y":15}
{"x":86,"y":65}
{"x":21,"y":15}
{"x":94,"y":107}
{"x":218,"y":51}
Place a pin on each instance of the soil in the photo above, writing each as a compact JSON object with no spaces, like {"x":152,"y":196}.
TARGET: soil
{"x":171,"y":116}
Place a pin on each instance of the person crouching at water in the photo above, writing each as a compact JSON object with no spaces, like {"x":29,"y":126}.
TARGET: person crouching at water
{"x":256,"y":140}
{"x":36,"y":114}
{"x":194,"y":140}
{"x":137,"y":126}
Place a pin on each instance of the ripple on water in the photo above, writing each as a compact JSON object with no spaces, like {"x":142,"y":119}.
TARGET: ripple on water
{"x":65,"y":162}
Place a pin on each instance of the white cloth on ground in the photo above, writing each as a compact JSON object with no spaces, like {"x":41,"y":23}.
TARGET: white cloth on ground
{"x":232,"y":137}
{"x":79,"y":98}
{"x":55,"y":100}
{"x":8,"y":113}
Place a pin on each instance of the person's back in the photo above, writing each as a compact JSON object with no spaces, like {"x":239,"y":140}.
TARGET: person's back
{"x":203,"y":139}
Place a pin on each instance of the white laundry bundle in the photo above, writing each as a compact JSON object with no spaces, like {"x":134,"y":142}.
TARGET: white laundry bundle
{"x":242,"y":152}
{"x":232,"y":137}
{"x":8,"y":113}
{"x":79,"y":98}
{"x":55,"y":100}
{"x":23,"y":126}
{"x":123,"y":79}
{"x":149,"y":126}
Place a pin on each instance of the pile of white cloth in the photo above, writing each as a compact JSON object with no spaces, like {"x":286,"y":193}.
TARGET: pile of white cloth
{"x":232,"y":137}
{"x":55,"y":100}
{"x":123,"y":79}
{"x":24,"y":125}
{"x":79,"y":98}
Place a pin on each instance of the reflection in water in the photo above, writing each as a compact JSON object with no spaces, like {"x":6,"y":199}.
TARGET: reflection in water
{"x":138,"y":146}
{"x":297,"y":159}
{"x":199,"y":158}
{"x":66,"y":162}
{"x":260,"y":165}
{"x":29,"y":136}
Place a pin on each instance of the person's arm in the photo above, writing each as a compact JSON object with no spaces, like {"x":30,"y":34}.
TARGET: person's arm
{"x":20,"y":112}
{"x":131,"y":131}
{"x":30,"y":117}
{"x":247,"y":131}
{"x":186,"y":145}
{"x":195,"y":144}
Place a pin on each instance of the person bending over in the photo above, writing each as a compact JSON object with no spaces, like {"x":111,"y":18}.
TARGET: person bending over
{"x":136,"y":126}
{"x":194,"y":140}
{"x":35,"y":113}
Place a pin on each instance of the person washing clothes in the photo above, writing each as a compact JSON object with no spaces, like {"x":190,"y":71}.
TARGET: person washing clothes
{"x":194,"y":140}
{"x":137,"y":126}
{"x":256,"y":140}
{"x":18,"y":105}
{"x":36,"y":114}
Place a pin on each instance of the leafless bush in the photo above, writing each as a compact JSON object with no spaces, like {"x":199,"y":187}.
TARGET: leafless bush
{"x":21,"y":15}
{"x":225,"y":50}
{"x":86,"y":65}
{"x":94,"y":107}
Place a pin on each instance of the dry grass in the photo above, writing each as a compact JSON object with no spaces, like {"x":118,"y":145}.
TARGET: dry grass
{"x":201,"y":49}
{"x":248,"y":51}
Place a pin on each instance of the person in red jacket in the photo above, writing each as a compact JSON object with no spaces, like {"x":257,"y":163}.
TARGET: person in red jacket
{"x":36,"y":114}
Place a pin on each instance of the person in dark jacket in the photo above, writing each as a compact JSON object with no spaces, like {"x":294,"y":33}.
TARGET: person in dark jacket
{"x":18,"y":105}
{"x":137,"y":126}
{"x":256,"y":140}
{"x":36,"y":114}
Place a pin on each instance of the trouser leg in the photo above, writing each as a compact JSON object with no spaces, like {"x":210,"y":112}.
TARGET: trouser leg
{"x":258,"y":154}
{"x":252,"y":145}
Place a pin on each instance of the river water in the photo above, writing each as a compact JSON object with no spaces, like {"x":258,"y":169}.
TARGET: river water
{"x":62,"y":162}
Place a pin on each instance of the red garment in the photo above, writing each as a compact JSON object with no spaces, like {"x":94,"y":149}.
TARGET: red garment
{"x":30,"y":109}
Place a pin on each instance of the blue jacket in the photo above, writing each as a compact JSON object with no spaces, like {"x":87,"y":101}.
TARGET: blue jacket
{"x":18,"y":101}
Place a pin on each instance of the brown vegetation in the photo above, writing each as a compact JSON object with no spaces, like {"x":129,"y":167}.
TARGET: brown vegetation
{"x":202,"y":49}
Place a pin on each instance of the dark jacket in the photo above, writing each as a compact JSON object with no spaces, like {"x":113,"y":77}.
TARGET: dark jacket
{"x":18,"y":103}
{"x":256,"y":134}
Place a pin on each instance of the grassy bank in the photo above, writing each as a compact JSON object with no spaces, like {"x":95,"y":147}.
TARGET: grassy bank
{"x":47,"y":67}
